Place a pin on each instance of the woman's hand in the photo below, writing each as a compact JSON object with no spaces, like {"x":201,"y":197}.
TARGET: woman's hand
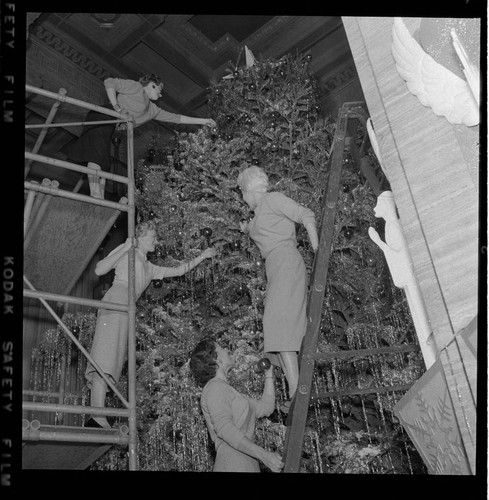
{"x":210,"y":122}
{"x":208,"y":253}
{"x":243,"y":225}
{"x":272,"y":460}
{"x":130,"y":242}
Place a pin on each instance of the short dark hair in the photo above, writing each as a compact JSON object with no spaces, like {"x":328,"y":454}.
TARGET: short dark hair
{"x":203,"y":364}
{"x":150,"y":77}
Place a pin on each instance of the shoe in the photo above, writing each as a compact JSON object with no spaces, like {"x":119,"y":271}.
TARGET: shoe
{"x":285,"y":407}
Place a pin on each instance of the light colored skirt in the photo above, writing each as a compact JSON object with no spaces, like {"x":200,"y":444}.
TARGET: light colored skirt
{"x":109,"y":346}
{"x":228,"y":459}
{"x":284,"y":318}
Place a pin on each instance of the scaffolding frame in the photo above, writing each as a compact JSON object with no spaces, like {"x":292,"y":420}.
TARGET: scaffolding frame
{"x":124,"y":434}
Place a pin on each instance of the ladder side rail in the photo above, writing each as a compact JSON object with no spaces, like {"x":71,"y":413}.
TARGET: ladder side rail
{"x":299,"y":411}
{"x":42,"y":135}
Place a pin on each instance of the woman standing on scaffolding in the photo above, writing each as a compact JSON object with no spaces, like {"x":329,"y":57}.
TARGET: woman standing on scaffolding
{"x":109,"y":344}
{"x":134,"y":100}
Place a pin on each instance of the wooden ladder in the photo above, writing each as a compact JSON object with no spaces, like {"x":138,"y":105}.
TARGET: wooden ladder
{"x":349,"y":116}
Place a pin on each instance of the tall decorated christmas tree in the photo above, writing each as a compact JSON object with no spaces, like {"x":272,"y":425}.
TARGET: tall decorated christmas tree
{"x":267,"y":114}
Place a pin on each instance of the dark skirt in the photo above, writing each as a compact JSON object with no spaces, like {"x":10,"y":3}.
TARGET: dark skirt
{"x":93,"y":145}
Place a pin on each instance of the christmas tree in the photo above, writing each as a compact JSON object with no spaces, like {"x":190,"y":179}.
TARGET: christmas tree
{"x":267,"y":114}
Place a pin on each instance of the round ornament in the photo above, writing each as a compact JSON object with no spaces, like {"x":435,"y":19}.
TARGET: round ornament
{"x":263,"y":364}
{"x":207,"y":232}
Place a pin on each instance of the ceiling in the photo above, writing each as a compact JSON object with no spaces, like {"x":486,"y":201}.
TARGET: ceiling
{"x":187,"y":51}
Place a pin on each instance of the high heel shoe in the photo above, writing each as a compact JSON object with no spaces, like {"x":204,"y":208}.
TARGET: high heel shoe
{"x":285,"y":407}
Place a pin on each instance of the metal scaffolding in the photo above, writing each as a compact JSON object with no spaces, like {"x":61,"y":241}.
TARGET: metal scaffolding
{"x":33,"y":431}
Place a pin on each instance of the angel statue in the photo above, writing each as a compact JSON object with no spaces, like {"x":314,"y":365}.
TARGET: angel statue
{"x":446,"y":93}
{"x":399,"y":261}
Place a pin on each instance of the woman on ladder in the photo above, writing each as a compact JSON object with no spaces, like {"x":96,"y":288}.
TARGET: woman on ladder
{"x":273,"y":230}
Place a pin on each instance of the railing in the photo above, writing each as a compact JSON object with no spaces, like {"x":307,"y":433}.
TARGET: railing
{"x":129,"y":404}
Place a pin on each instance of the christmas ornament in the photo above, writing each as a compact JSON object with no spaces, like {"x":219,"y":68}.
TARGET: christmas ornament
{"x":173,"y":208}
{"x":262,"y":365}
{"x":274,"y":147}
{"x":75,"y":329}
{"x":160,"y":326}
{"x":348,"y":233}
{"x":255,"y":161}
{"x":207,"y":232}
{"x":157,"y":283}
{"x":346,"y":188}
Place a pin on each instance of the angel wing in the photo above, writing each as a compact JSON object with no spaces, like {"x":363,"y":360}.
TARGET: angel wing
{"x":435,"y":86}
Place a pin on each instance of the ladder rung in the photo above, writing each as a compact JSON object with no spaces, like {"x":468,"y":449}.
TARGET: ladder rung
{"x":366,"y":352}
{"x":357,"y":391}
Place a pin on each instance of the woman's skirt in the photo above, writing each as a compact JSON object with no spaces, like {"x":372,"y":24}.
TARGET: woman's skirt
{"x":284,"y":318}
{"x":109,"y":346}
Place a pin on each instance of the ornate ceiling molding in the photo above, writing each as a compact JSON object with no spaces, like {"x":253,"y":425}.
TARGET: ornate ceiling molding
{"x":64,"y":48}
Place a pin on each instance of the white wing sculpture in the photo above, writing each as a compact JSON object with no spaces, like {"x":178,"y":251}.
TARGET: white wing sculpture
{"x":435,"y":86}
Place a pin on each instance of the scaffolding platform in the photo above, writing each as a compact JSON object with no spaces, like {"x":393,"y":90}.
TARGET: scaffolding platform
{"x":61,"y":239}
{"x":68,"y":448}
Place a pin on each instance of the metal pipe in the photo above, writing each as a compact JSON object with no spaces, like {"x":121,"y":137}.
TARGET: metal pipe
{"x":28,"y":208}
{"x":73,"y":166}
{"x":79,"y":184}
{"x":62,"y":383}
{"x":82,"y":349}
{"x":40,"y":393}
{"x":131,"y":340}
{"x":77,"y":409}
{"x":75,"y":196}
{"x":71,"y":100}
{"x":76,"y":300}
{"x":35,"y":425}
{"x":89,"y":436}
{"x":38,"y":209}
{"x":74,"y":124}
{"x":42,"y":135}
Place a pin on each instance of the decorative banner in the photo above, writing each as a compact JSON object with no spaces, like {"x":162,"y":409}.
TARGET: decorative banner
{"x":427,"y":414}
